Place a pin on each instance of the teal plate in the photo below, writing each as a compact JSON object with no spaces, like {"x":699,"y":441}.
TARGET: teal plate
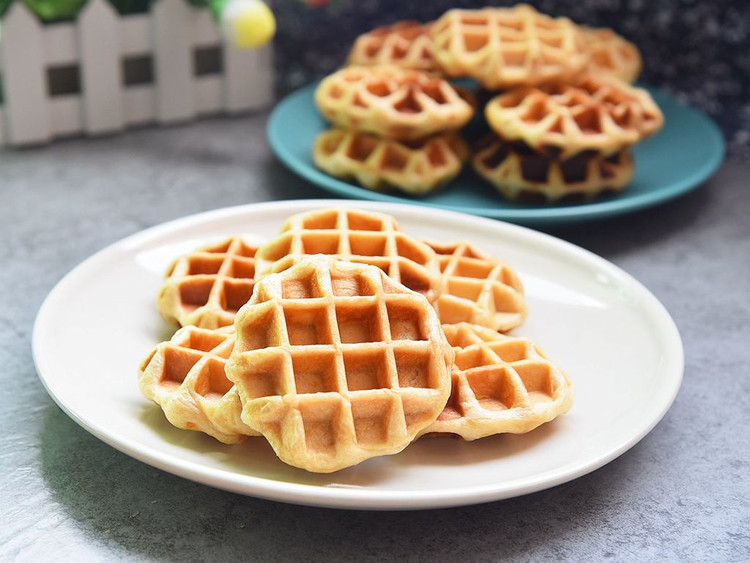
{"x":678,"y":159}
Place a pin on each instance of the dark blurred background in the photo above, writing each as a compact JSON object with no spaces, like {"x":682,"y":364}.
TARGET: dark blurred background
{"x":697,"y":49}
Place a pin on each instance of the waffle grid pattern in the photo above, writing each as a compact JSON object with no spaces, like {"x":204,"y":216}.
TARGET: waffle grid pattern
{"x":391,"y":102}
{"x":406,"y":44}
{"x":354,"y":236}
{"x":599,"y":114}
{"x":478,"y":288}
{"x":507,"y":47}
{"x":500,"y":385}
{"x":612,"y":54}
{"x":377,"y":163}
{"x":525,"y":175}
{"x":335,"y":363}
{"x":206,"y":288}
{"x":185,"y":376}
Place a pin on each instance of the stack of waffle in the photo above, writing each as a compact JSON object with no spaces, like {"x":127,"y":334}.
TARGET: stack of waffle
{"x":562,"y":115}
{"x":392,"y":127}
{"x":354,"y":340}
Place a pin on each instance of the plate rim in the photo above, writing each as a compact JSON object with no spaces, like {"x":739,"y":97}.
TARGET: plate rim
{"x":714,"y":142}
{"x":352,"y":497}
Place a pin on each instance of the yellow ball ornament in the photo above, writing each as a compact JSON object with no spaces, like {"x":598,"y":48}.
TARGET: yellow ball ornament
{"x":248,"y":24}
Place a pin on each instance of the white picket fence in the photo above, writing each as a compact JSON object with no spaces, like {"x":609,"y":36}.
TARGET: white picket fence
{"x":100,"y":43}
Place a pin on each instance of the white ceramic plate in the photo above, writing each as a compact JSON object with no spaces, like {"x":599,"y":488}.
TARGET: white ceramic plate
{"x":614,"y":339}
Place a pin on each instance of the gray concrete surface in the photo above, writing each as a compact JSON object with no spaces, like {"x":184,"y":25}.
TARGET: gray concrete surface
{"x":682,"y":493}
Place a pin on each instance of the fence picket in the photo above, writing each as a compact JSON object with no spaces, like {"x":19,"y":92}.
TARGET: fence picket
{"x":100,"y":42}
{"x":24,"y":78}
{"x":173,"y":61}
{"x":101,"y":81}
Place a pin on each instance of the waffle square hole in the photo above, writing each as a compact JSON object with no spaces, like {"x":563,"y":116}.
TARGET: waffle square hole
{"x":413,"y":368}
{"x":408,"y":104}
{"x":436,"y":155}
{"x":510,"y":350}
{"x":236,"y":294}
{"x":320,"y":421}
{"x":242,"y":268}
{"x":470,"y":358}
{"x":261,"y":330}
{"x":315,"y":372}
{"x":359,"y":323}
{"x":177,"y":364}
{"x":588,"y":121}
{"x":411,"y":249}
{"x":366,"y":369}
{"x":492,"y":388}
{"x":393,"y":159}
{"x":475,"y":42}
{"x":203,"y":340}
{"x":363,"y":244}
{"x":263,"y":375}
{"x":469,"y":268}
{"x":551,"y":40}
{"x":361,"y":148}
{"x":220,"y":248}
{"x":245,"y":250}
{"x":536,"y":378}
{"x":505,"y":299}
{"x":412,"y":277}
{"x":351,"y":286}
{"x":465,"y":288}
{"x":195,"y":292}
{"x":306,"y":287}
{"x":514,"y":57}
{"x":371,"y":419}
{"x":307,"y":326}
{"x":363,"y":222}
{"x":320,"y":243}
{"x":406,"y":321}
{"x":198,"y":265}
{"x":212,"y":382}
{"x":320,"y":221}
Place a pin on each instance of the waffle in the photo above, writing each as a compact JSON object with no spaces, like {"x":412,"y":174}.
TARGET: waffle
{"x":416,"y":167}
{"x":336,"y":363}
{"x":405,"y":44}
{"x":478,"y":288}
{"x":206,"y":287}
{"x":598,"y":113}
{"x":507,"y":47}
{"x":611,"y":54}
{"x":354,"y":236}
{"x":185,"y":376}
{"x":522,"y":174}
{"x":500,"y":384}
{"x":392,"y":102}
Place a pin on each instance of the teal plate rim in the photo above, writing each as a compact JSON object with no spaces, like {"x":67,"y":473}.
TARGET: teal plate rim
{"x":295,"y":122}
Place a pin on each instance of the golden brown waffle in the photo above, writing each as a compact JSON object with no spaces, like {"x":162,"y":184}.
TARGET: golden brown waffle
{"x":406,"y":44}
{"x":392,"y":102}
{"x":206,"y":287}
{"x":507,"y":47}
{"x":478,"y":288}
{"x":336,"y":363}
{"x":185,"y":376}
{"x":598,"y":113}
{"x":355,"y":236}
{"x":611,"y":54}
{"x":416,"y":167}
{"x":501,"y":384}
{"x":521,"y":174}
